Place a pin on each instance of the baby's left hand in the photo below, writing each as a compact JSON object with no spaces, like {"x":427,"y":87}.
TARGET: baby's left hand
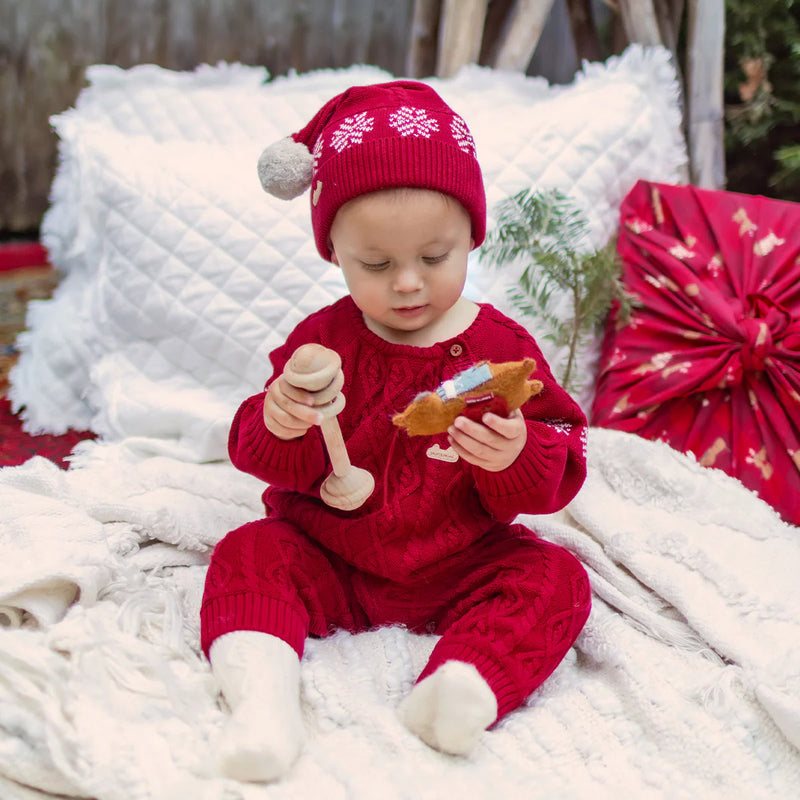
{"x":493,"y":443}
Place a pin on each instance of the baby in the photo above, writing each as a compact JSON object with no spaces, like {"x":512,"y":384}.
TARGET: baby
{"x":397,"y":202}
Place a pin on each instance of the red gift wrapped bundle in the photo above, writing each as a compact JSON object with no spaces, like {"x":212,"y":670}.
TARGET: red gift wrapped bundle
{"x":709,"y":361}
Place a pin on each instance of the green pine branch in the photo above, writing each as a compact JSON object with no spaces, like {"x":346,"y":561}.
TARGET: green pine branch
{"x":788,"y":174}
{"x":547,"y":233}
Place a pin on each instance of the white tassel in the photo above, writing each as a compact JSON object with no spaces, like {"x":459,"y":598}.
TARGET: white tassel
{"x":722,"y":694}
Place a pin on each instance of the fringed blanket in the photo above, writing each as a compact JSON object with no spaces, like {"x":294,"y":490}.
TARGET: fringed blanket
{"x":684,"y":683}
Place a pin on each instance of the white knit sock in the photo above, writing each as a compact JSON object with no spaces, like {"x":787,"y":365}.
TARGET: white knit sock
{"x":259,"y":676}
{"x":450,"y":709}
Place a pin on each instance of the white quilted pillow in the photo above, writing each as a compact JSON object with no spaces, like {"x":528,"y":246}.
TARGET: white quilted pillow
{"x":183,"y":275}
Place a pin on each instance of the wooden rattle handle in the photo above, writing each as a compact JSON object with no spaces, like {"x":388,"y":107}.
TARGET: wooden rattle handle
{"x":334,"y":443}
{"x":313,"y":367}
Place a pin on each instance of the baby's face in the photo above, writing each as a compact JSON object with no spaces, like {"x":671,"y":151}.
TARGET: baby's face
{"x":404,"y":257}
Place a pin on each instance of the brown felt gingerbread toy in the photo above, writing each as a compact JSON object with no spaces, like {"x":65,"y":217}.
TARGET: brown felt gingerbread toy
{"x":484,"y":387}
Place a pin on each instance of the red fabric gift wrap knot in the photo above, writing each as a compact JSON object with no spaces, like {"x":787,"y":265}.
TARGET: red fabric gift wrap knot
{"x":765,"y":325}
{"x":709,"y":361}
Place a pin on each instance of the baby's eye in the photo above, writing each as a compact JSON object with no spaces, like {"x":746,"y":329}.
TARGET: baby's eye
{"x":435,"y":259}
{"x":373,"y":266}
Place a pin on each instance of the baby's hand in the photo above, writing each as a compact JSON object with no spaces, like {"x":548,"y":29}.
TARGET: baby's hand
{"x":493,"y":443}
{"x":290,"y":411}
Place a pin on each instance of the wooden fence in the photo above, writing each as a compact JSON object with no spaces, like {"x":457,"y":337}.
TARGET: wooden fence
{"x":45,"y":46}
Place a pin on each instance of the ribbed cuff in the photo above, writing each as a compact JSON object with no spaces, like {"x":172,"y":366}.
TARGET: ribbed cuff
{"x":249,"y":611}
{"x":292,"y":464}
{"x":505,"y":691}
{"x":295,"y":460}
{"x":540,"y":456}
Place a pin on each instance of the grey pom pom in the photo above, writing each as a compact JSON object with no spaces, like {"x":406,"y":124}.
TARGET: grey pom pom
{"x":284,"y":168}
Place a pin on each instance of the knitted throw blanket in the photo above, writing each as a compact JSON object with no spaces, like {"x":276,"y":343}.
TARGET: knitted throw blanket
{"x":684,"y":683}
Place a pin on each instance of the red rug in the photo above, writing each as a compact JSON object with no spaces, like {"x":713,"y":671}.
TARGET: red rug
{"x":21,"y":255}
{"x":16,"y":446}
{"x":25,"y":274}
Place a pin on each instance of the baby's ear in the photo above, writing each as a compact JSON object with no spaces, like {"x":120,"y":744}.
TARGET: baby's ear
{"x":334,"y":259}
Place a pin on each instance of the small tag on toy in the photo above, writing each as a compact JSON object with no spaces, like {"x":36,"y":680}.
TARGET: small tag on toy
{"x":437,"y":454}
{"x":482,"y":398}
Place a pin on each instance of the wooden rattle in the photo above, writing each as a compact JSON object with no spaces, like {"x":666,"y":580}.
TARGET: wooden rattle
{"x":312,"y":367}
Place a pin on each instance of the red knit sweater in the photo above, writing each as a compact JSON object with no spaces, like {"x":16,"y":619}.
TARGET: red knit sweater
{"x":423,"y":509}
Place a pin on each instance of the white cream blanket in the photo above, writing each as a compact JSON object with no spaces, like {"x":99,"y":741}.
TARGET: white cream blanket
{"x":684,"y":683}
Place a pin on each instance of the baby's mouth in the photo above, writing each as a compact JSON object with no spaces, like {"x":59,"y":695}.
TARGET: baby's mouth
{"x":409,"y":311}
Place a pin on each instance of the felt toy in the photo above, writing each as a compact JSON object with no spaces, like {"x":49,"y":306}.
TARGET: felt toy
{"x":482,"y":388}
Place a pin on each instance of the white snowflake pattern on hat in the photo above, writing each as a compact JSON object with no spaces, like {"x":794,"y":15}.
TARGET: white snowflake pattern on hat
{"x":462,"y":135}
{"x":317,"y":152}
{"x":352,"y":131}
{"x":410,"y":121}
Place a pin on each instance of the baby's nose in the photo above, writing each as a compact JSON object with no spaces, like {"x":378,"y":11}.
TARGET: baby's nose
{"x":408,"y":279}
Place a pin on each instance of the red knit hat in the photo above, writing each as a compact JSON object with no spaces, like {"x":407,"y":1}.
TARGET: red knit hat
{"x":376,"y":137}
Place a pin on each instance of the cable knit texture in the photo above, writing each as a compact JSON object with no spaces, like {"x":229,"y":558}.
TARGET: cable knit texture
{"x":432,"y":548}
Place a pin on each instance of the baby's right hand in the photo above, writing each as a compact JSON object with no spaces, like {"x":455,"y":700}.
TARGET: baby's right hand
{"x":290,"y":411}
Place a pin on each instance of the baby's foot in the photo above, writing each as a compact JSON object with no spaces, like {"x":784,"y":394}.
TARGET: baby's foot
{"x":260,"y":744}
{"x":450,"y":709}
{"x":260,"y":679}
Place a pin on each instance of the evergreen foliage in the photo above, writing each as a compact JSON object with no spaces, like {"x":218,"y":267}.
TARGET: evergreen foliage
{"x":546,"y":232}
{"x":762,"y":92}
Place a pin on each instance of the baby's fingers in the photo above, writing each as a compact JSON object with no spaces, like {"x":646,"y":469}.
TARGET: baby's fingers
{"x":286,"y":394}
{"x":508,"y":427}
{"x":284,"y":416}
{"x":492,"y":444}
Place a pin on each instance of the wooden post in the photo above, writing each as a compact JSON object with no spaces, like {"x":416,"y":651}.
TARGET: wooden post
{"x":669,"y":14}
{"x":422,"y":48}
{"x":640,"y":21}
{"x":705,"y":73}
{"x":584,"y":31}
{"x":460,"y":35}
{"x":521,"y":34}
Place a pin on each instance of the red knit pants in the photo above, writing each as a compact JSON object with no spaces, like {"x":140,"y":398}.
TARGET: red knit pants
{"x":511,"y":604}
